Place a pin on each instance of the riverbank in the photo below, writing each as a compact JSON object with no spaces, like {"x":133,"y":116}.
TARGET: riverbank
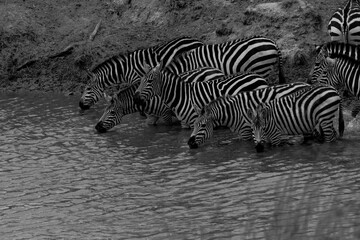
{"x":50,"y":46}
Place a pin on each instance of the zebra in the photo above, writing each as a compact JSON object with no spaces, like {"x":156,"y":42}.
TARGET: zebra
{"x":179,"y":95}
{"x":331,"y":50}
{"x":122,"y":103}
{"x":255,"y":54}
{"x":344,"y":25}
{"x":341,"y":72}
{"x":299,"y":113}
{"x":128,"y":68}
{"x":231,"y":111}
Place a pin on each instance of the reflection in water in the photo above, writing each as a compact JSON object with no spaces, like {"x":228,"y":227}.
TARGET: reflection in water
{"x":59,"y":178}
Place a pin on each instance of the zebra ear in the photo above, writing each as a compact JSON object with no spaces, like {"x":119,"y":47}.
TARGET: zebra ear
{"x":147,"y":68}
{"x":264,"y":111}
{"x":197,"y":109}
{"x":250,"y":113}
{"x":206,"y":111}
{"x":330,"y":61}
{"x":107,"y":97}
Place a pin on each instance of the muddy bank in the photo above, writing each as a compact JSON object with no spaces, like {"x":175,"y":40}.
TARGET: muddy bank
{"x":49,"y":46}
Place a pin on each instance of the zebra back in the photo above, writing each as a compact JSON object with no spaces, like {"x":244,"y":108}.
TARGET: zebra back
{"x":254,"y":54}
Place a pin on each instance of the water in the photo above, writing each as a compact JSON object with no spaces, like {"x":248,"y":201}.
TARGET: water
{"x":60,"y":179}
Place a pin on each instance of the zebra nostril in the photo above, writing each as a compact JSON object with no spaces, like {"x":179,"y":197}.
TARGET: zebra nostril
{"x":83,"y":106}
{"x":192,"y":144}
{"x":259,"y":147}
{"x":100,"y":128}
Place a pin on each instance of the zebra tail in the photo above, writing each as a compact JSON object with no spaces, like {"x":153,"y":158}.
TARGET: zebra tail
{"x":341,"y":121}
{"x":282,"y":79}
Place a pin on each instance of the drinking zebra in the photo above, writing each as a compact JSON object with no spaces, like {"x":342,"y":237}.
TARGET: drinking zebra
{"x":122,"y":103}
{"x":344,"y":25}
{"x":254,"y":54}
{"x":341,"y":72}
{"x":128,"y":68}
{"x":296,"y":114}
{"x":231,"y":111}
{"x":177,"y":94}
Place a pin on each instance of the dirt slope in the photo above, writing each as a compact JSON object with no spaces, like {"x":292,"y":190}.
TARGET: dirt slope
{"x":35,"y":34}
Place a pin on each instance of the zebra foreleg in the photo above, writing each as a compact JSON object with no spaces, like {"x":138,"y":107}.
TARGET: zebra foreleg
{"x":151,"y":119}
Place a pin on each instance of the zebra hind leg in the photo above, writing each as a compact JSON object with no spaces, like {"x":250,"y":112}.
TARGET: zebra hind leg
{"x":329,"y":131}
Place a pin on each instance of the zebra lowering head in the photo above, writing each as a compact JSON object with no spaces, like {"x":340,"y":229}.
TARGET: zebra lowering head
{"x":301,"y":113}
{"x":259,"y":119}
{"x":119,"y":104}
{"x":112,"y":115}
{"x":91,"y":94}
{"x":150,"y":85}
{"x":203,"y":127}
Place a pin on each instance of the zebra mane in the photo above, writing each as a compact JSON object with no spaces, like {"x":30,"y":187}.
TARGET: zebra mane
{"x":343,"y":50}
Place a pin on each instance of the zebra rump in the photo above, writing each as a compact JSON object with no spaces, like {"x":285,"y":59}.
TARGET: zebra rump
{"x":299,"y":113}
{"x":344,"y":25}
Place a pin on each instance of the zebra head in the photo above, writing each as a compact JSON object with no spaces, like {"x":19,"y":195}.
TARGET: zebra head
{"x":320,"y":63}
{"x":259,"y":118}
{"x":203,"y":127}
{"x":149,"y":86}
{"x":91,"y":94}
{"x":119,"y":105}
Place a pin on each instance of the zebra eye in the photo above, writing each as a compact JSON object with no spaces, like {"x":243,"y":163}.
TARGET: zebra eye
{"x":112,"y":112}
{"x":203,"y":125}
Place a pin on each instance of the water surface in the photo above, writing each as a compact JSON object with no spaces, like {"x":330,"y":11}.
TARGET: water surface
{"x":60,"y":179}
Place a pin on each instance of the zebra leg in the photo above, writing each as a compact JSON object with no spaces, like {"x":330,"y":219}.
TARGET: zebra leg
{"x":246,"y":133}
{"x":356,"y":109}
{"x":151,"y":119}
{"x":328,"y":131}
{"x":185,"y":125}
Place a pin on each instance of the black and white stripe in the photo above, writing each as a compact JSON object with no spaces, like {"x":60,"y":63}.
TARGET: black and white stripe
{"x":299,"y":113}
{"x":342,"y":71}
{"x":129,"y":68}
{"x":181,"y":96}
{"x":255,"y":54}
{"x":122,"y":103}
{"x":344,"y":25}
{"x":231,"y":111}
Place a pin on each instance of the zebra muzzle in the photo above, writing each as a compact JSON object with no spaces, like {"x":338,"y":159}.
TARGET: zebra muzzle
{"x":259,"y":147}
{"x":100,"y":128}
{"x":192,"y":143}
{"x":83,"y":106}
{"x":139,"y":102}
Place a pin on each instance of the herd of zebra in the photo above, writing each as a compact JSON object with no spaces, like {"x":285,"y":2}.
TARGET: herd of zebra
{"x":227,"y":84}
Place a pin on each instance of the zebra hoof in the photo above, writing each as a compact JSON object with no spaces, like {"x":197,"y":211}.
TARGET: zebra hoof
{"x":259,"y":147}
